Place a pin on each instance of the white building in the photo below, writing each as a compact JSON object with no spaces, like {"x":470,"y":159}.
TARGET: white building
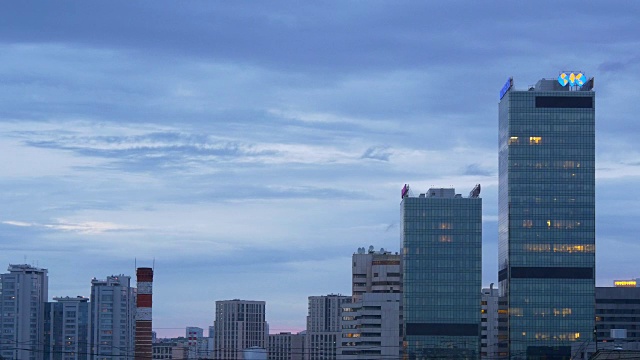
{"x":23,"y":293}
{"x":489,"y":324}
{"x":371,"y":328}
{"x":286,"y":346}
{"x":169,"y":351}
{"x":375,"y":272}
{"x":324,"y":326}
{"x":66,"y":328}
{"x":239,"y":325}
{"x":112,"y":318}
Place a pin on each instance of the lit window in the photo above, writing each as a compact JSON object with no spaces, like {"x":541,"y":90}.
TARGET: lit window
{"x":445,"y":226}
{"x":527,"y":223}
{"x":535,"y":140}
{"x":445,"y":238}
{"x":513,"y":140}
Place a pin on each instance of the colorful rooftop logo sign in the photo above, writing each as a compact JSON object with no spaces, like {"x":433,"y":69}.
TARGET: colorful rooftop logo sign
{"x":572,"y":79}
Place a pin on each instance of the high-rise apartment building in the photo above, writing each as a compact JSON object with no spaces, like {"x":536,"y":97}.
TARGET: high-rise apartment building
{"x":23,"y":293}
{"x":441,"y":234}
{"x":239,"y":325}
{"x":286,"y":346}
{"x":324,"y":326}
{"x":196,"y":342}
{"x":66,"y":329}
{"x":112,"y":322}
{"x":375,"y":272}
{"x":547,"y":217}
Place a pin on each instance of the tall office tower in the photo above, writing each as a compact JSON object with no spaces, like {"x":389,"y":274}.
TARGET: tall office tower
{"x":239,"y":325}
{"x":144,"y":314}
{"x":23,"y":293}
{"x":286,"y":346}
{"x":546,"y":226}
{"x":112,"y":319}
{"x":489,"y":324}
{"x":323,"y":326}
{"x":375,"y":272}
{"x":66,"y":329}
{"x":441,"y":235}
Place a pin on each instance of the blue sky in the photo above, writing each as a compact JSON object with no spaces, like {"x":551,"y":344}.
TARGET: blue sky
{"x":251,"y":147}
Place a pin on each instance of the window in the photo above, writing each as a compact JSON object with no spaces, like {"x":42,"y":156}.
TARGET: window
{"x":535,"y":140}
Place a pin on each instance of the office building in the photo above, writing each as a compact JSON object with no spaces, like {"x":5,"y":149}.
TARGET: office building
{"x":66,"y":329}
{"x":546,"y":226}
{"x":286,"y":346}
{"x":489,"y":324}
{"x":371,"y":322}
{"x":23,"y":293}
{"x":618,"y":314}
{"x":239,"y":325}
{"x":324,"y":326}
{"x":112,"y":318}
{"x":441,"y":234}
{"x":375,"y":272}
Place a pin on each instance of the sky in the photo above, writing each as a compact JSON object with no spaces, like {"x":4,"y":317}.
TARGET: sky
{"x":247,"y":149}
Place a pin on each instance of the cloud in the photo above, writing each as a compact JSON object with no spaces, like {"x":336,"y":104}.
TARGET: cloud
{"x":85,"y":228}
{"x":377,"y":153}
{"x":476,"y":169}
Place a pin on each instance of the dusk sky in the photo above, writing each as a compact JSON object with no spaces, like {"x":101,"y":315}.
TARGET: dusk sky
{"x":251,"y":147}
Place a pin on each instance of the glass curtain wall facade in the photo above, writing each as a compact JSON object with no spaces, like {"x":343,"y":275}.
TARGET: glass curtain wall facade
{"x":546,"y":220}
{"x":441,"y":235}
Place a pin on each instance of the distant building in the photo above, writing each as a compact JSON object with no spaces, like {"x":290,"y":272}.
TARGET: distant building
{"x":169,"y":350}
{"x":23,"y":293}
{"x":441,"y":236}
{"x":197,"y":343}
{"x":66,"y":329}
{"x":618,"y":310}
{"x":239,"y":325}
{"x":324,"y":326}
{"x":375,"y":272}
{"x":112,"y":318}
{"x":489,"y":324}
{"x":286,"y":346}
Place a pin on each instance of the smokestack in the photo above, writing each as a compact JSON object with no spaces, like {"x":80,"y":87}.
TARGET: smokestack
{"x":143,"y":314}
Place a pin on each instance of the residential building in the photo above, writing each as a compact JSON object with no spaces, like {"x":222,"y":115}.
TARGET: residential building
{"x":66,"y":328}
{"x":441,"y":238}
{"x":23,"y":293}
{"x":112,"y":318}
{"x":286,"y":346}
{"x":323,"y":326}
{"x":489,"y":324}
{"x":239,"y":325}
{"x":546,"y":226}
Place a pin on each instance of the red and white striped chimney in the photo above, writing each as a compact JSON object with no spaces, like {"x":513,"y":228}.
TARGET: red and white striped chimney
{"x":143,"y":314}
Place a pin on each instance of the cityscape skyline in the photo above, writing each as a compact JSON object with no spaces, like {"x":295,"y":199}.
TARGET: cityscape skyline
{"x":246,"y":144}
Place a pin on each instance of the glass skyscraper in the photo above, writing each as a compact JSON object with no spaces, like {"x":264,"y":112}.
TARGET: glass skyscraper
{"x":441,"y":234}
{"x":546,"y":218}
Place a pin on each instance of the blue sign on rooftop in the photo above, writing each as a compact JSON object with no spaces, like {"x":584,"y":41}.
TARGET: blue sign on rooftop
{"x":506,"y":87}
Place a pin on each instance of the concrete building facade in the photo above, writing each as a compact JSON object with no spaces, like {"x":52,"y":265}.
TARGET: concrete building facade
{"x":324,"y":326}
{"x":239,"y":325}
{"x":23,"y":293}
{"x":66,"y":329}
{"x":112,"y":318}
